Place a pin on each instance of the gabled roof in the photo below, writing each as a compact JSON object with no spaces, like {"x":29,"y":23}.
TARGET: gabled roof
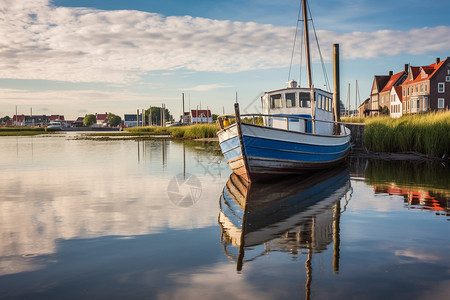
{"x":102,"y":117}
{"x":79,"y":120}
{"x":429,"y":71}
{"x":398,"y":91}
{"x":381,"y":81}
{"x":202,"y":113}
{"x":392,"y":81}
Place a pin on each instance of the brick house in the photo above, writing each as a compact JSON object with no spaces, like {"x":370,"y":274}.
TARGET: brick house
{"x":427,"y":88}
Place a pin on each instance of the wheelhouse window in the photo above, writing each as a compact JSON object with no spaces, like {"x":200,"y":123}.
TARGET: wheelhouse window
{"x":441,"y":87}
{"x":275,"y":101}
{"x":305,"y":99}
{"x":290,"y":100}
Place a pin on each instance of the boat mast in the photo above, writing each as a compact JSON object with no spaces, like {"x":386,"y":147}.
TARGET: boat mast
{"x":308,"y":58}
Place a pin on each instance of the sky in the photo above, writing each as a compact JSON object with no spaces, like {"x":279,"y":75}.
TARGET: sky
{"x":81,"y":57}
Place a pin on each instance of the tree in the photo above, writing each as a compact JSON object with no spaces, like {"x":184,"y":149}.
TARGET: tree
{"x":156,"y":116}
{"x":89,"y":120}
{"x":214,"y":117}
{"x":114,"y":120}
{"x":5,"y":119}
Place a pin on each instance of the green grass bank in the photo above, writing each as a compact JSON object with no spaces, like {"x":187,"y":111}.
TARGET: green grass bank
{"x":17,"y":131}
{"x":424,"y":133}
{"x":198,"y":131}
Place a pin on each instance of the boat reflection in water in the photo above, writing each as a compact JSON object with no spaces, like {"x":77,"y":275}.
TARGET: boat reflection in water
{"x":297,"y":216}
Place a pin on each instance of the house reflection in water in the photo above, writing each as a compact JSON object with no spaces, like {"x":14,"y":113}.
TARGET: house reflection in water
{"x":422,"y":198}
{"x":296,"y":216}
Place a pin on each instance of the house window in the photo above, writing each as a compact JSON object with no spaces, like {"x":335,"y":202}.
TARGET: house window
{"x":421,"y":87}
{"x":448,"y":72}
{"x":290,"y":100}
{"x":404,"y":92}
{"x":447,"y":78}
{"x":417,"y":88}
{"x":408,"y":91}
{"x":441,"y":87}
{"x":426,"y":87}
{"x":440,"y":103}
{"x":275,"y":101}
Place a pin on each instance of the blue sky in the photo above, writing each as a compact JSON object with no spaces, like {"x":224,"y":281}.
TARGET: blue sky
{"x":78,"y":57}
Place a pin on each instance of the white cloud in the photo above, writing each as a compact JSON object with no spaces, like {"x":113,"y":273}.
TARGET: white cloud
{"x":40,"y":41}
{"x":207,"y":87}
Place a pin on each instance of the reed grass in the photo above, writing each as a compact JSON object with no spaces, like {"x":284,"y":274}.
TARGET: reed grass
{"x":425,"y":133}
{"x":18,"y":131}
{"x":353,"y":120}
{"x":197,"y":131}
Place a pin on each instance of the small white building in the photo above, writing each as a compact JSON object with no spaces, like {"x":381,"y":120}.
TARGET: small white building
{"x":395,"y":102}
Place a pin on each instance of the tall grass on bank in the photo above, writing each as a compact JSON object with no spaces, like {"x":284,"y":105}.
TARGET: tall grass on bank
{"x":17,"y":131}
{"x":198,"y":131}
{"x":424,"y":133}
{"x":353,"y":120}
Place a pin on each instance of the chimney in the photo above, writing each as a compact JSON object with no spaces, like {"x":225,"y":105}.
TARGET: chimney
{"x":391,"y":73}
{"x":406,"y":68}
{"x":438,"y":60}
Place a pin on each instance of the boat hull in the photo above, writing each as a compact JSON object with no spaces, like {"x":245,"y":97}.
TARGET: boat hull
{"x":258,"y":152}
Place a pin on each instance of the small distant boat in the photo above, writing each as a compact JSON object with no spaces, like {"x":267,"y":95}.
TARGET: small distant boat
{"x":298,"y":133}
{"x":55,"y":125}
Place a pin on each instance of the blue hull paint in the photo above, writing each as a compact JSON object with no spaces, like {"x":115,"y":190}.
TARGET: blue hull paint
{"x":273,"y":152}
{"x":253,"y":144}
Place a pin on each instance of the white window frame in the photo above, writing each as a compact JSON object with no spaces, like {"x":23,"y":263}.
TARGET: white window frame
{"x":447,"y":78}
{"x":440,"y":100}
{"x":441,"y":84}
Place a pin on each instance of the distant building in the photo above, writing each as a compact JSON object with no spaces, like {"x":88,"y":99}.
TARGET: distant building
{"x":427,"y":88}
{"x":130,"y":120}
{"x":364,"y":108}
{"x":36,"y":120}
{"x":201,"y":116}
{"x":56,"y":118}
{"x":102,"y":119}
{"x":186,"y":118}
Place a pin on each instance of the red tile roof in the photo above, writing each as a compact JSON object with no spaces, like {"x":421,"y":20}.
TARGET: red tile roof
{"x":394,"y":78}
{"x":428,"y":71}
{"x":102,"y":117}
{"x":56,"y":117}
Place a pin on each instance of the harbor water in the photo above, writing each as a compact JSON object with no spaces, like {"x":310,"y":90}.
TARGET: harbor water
{"x":166,"y":219}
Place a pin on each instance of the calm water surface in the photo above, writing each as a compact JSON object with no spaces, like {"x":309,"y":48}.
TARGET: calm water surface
{"x":166,"y":220}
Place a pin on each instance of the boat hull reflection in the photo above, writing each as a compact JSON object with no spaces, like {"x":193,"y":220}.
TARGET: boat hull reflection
{"x":289,"y":216}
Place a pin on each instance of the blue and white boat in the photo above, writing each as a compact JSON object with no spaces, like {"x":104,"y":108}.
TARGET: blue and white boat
{"x":296,"y":132}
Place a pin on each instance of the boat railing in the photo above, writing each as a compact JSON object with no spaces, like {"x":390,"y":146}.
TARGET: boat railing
{"x":256,"y":119}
